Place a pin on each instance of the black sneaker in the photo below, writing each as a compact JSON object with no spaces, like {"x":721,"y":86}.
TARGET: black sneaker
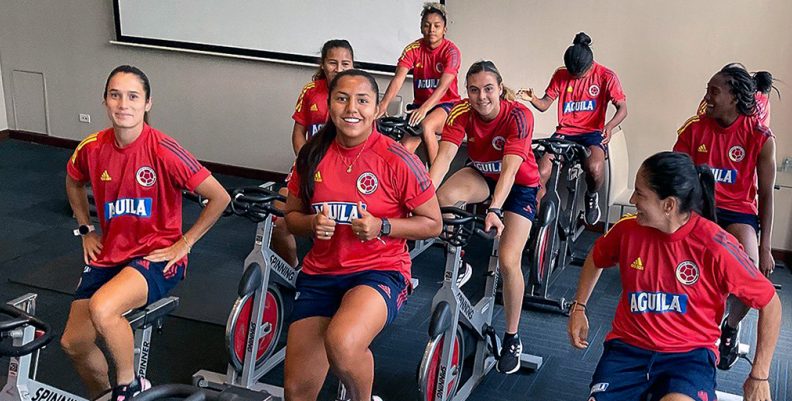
{"x":729,"y":346}
{"x":465,"y":272}
{"x":509,"y":361}
{"x":127,"y":391}
{"x":592,"y":209}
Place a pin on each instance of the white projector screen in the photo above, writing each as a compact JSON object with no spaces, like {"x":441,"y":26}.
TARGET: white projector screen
{"x":292,"y":30}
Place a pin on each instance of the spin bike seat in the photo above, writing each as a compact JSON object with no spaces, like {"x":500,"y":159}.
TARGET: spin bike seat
{"x":149,"y":315}
{"x":570,"y":151}
{"x":397,"y":127}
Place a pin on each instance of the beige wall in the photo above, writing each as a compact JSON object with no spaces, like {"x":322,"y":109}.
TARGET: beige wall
{"x":3,"y":116}
{"x":226,"y":110}
{"x":238,"y":111}
{"x":663,"y":51}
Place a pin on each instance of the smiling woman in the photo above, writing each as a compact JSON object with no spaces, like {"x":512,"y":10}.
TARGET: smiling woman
{"x":137,"y":174}
{"x":676,"y":268}
{"x":361,"y":196}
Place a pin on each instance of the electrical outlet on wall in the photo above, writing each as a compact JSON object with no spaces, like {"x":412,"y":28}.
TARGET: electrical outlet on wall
{"x":85,"y":118}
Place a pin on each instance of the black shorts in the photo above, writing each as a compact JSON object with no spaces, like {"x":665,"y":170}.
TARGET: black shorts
{"x":728,"y":217}
{"x":159,"y":283}
{"x":321,"y":294}
{"x":626,"y":372}
{"x":521,"y":199}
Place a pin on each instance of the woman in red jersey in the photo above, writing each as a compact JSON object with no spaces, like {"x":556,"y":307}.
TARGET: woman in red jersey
{"x":676,"y":267}
{"x":360,"y":195}
{"x":434,"y":62}
{"x":310,"y":115}
{"x":741,"y":153}
{"x":502,"y":166}
{"x":137,"y":174}
{"x":584,"y":89}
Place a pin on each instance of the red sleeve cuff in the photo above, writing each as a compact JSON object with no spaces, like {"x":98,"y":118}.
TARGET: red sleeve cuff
{"x":404,"y":64}
{"x":197,"y":179}
{"x":73,"y":173}
{"x":454,"y":140}
{"x":619,"y":98}
{"x":422,"y":198}
{"x":299,"y":118}
{"x":519,"y":152}
{"x":599,"y":261}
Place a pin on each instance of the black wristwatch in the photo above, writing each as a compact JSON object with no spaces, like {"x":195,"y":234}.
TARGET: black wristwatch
{"x":496,"y":211}
{"x":83,"y":230}
{"x":386,"y":228}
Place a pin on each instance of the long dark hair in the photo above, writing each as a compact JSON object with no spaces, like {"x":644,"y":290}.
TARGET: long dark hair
{"x":764,"y":82}
{"x":312,"y":153}
{"x":128,"y":69}
{"x":743,"y":86}
{"x":579,"y":57}
{"x":330,"y":45}
{"x":674,"y":174}
{"x":489,"y":66}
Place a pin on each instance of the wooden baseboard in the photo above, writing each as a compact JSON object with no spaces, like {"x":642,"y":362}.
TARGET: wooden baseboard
{"x":4,"y":134}
{"x":219,"y":168}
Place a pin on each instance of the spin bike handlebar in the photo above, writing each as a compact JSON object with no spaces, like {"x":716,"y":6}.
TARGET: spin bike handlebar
{"x":561,"y":147}
{"x":397,"y":127}
{"x":252,"y":203}
{"x":458,"y":229}
{"x":19,"y":319}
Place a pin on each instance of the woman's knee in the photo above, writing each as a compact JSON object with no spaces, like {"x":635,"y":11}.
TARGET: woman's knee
{"x":77,"y":342}
{"x":343,"y":349}
{"x":103,"y":314}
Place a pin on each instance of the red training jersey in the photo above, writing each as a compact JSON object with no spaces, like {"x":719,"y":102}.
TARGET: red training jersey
{"x":509,"y":133}
{"x":311,"y":110}
{"x":732,"y":153}
{"x":389,"y":180}
{"x":762,"y":111}
{"x":582,"y":103}
{"x":674,"y":286}
{"x":138,"y":190}
{"x":428,"y":66}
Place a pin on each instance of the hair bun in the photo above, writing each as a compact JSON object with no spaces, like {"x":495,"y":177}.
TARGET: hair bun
{"x":582,"y":39}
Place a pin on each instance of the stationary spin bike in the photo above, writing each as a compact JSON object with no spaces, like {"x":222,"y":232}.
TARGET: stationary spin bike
{"x":256,"y":320}
{"x":22,"y":336}
{"x":458,"y":330}
{"x":557,"y":226}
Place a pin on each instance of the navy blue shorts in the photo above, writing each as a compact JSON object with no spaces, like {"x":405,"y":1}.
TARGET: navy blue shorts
{"x":159,"y":283}
{"x":521,"y":199}
{"x":727,"y":218}
{"x":626,"y":373}
{"x":588,"y":139}
{"x":321,"y":294}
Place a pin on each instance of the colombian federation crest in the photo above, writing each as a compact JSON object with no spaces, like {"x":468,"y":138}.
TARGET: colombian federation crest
{"x":687,"y":273}
{"x":736,"y":153}
{"x":146,"y":176}
{"x":594,"y":90}
{"x":498,"y":142}
{"x":367,"y":183}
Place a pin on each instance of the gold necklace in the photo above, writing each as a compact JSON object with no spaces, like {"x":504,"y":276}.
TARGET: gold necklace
{"x":349,"y":166}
